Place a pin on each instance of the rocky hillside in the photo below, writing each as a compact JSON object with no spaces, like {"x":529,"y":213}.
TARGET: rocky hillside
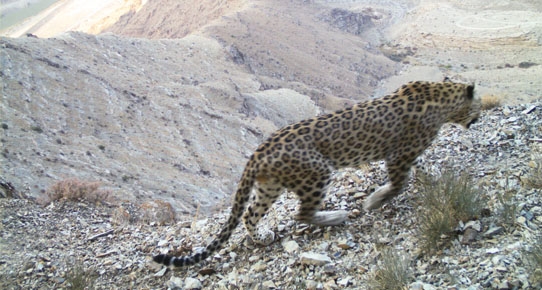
{"x":164,"y":108}
{"x":171,"y":119}
{"x":150,"y":119}
{"x":130,"y":112}
{"x":76,"y":244}
{"x":308,"y":47}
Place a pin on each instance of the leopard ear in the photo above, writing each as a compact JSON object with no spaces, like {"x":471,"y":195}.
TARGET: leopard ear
{"x":470,"y":92}
{"x":447,"y":79}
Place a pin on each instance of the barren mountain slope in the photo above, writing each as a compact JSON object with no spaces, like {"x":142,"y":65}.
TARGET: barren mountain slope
{"x":174,"y":18}
{"x":495,"y":44}
{"x":175,"y":119}
{"x":69,"y":15}
{"x":293,"y":44}
{"x":167,"y":119}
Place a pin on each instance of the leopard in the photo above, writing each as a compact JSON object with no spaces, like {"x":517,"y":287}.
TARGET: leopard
{"x":302,"y":157}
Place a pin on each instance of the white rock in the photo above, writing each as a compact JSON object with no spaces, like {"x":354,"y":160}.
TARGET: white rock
{"x":254,"y":258}
{"x":269,"y":285}
{"x":192,"y":283}
{"x":290,"y":246}
{"x":201,"y":223}
{"x":311,"y":285}
{"x":174,"y":282}
{"x":421,"y":286}
{"x":492,"y":250}
{"x":314,"y":259}
{"x":474,"y":225}
{"x":493,"y":231}
{"x":259,"y":267}
{"x":345,"y":281}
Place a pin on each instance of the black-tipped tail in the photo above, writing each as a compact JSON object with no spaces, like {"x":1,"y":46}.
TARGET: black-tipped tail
{"x":162,"y":259}
{"x":180,"y":261}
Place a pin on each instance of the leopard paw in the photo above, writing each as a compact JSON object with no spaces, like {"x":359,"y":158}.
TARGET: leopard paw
{"x":329,"y":218}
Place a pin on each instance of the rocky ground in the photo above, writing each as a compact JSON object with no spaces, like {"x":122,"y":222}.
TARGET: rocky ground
{"x":168,"y":122}
{"x":53,"y":247}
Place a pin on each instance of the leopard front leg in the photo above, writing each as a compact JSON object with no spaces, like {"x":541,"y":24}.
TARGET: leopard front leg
{"x":398,"y":173}
{"x":311,"y":195}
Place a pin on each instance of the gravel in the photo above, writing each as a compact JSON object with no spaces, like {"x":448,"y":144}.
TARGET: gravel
{"x":47,"y":247}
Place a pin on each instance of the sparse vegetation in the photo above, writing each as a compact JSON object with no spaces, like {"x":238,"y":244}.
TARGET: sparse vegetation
{"x":526,"y":64}
{"x":157,"y":211}
{"x":534,"y":261}
{"x":80,"y":278}
{"x":445,"y":201}
{"x":75,"y":189}
{"x":508,"y":206}
{"x":534,"y":178}
{"x":121,"y":216}
{"x":36,"y":129}
{"x":491,"y":101}
{"x":393,"y":272}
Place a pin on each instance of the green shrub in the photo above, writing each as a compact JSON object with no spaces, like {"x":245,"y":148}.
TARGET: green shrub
{"x":36,"y":129}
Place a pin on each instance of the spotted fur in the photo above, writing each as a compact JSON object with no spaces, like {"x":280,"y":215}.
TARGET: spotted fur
{"x":301,"y":157}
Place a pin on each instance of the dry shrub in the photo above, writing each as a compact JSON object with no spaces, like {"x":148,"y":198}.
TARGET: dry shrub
{"x":491,"y":101}
{"x":534,"y":261}
{"x":534,"y":178}
{"x":158,"y":211}
{"x":121,"y":216}
{"x":155,"y":211}
{"x":445,"y":201}
{"x":79,"y":277}
{"x":508,"y":207}
{"x":393,"y":272}
{"x":75,"y":190}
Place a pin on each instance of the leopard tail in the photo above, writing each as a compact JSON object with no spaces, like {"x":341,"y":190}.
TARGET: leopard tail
{"x":241,"y":198}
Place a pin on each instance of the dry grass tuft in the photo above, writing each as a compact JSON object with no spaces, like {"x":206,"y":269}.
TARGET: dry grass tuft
{"x":534,"y":178}
{"x":444,"y":202}
{"x":75,"y":190}
{"x":508,"y":206}
{"x":534,"y":261}
{"x":393,"y":272}
{"x":157,"y":211}
{"x":491,"y":101}
{"x":150,"y":212}
{"x":121,"y":216}
{"x":80,"y":278}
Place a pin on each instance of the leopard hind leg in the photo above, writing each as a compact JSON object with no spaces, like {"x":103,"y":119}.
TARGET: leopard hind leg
{"x":398,"y":172}
{"x":267,"y":192}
